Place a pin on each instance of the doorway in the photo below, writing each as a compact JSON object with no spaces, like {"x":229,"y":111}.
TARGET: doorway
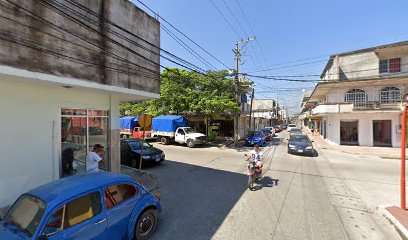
{"x":349,"y":132}
{"x":382,"y":133}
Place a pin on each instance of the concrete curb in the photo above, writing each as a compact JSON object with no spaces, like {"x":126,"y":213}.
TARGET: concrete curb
{"x":398,"y":226}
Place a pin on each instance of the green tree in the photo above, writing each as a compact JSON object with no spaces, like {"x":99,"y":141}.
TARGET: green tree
{"x":183,"y":91}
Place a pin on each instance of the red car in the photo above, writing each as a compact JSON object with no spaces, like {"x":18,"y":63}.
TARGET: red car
{"x":277,"y":128}
{"x":268,"y":134}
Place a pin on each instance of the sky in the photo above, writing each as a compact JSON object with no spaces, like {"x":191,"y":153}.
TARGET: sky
{"x":293,"y":37}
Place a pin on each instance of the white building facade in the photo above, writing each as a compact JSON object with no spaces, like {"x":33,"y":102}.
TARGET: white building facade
{"x":60,"y":94}
{"x":358,"y":101}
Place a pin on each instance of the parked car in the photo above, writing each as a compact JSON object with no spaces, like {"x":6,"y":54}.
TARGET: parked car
{"x":283,"y":126}
{"x":93,"y":206}
{"x":300,"y":144}
{"x":277,"y":128}
{"x":268,"y":134}
{"x":290,"y":126}
{"x":295,"y":131}
{"x":130,"y":150}
{"x":255,"y":138}
{"x":272,"y":130}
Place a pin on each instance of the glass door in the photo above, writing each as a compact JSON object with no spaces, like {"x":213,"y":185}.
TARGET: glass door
{"x":382,"y":133}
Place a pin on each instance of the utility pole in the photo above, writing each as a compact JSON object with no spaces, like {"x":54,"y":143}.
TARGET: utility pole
{"x":250,"y":109}
{"x":237,"y":53}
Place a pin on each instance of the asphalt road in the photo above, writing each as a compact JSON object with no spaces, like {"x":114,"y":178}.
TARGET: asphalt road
{"x":204,"y":196}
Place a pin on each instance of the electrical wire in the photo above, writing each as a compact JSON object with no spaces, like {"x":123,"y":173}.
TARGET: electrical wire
{"x":183,"y":34}
{"x":187,"y":48}
{"x":252,"y":31}
{"x":86,"y":9}
{"x":62,"y":10}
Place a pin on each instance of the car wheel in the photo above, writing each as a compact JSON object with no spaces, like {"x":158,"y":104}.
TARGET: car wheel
{"x":164,"y":140}
{"x":146,"y":224}
{"x":190,"y":143}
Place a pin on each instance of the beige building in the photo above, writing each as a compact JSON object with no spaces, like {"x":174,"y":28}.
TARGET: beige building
{"x":358,"y":101}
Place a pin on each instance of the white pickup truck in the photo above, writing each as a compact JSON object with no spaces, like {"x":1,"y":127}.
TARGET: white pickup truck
{"x":182,"y":135}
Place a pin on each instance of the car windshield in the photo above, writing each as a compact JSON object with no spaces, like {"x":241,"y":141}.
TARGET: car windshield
{"x":255,"y":134}
{"x":190,"y":130}
{"x":299,"y":138}
{"x":26,"y":214}
{"x":266,"y":131}
{"x":137,"y":145}
{"x":292,"y":125}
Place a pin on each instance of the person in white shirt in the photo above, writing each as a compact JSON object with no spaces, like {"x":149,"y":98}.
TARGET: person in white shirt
{"x":257,"y":156}
{"x":94,"y":158}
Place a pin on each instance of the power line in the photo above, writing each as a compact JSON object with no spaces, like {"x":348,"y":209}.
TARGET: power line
{"x":225,"y":19}
{"x":187,"y":48}
{"x":79,"y":45}
{"x":179,"y":31}
{"x":289,"y":66}
{"x":242,"y":29}
{"x":59,"y":29}
{"x":252,"y":31}
{"x":118,"y":34}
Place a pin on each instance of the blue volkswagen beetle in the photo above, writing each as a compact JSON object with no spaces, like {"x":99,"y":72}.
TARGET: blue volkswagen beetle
{"x":95,"y":206}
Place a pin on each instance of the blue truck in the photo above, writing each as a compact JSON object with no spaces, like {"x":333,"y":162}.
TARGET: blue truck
{"x":172,"y":128}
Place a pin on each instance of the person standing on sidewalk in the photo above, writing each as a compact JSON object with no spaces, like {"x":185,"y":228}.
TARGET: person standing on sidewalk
{"x":94,"y":158}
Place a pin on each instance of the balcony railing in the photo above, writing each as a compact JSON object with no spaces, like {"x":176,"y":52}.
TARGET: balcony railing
{"x":375,"y":105}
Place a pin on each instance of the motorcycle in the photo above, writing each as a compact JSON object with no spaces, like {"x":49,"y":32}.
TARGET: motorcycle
{"x":254,"y":171}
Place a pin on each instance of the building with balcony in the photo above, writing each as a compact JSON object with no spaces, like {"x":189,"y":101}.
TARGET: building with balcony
{"x":358,"y":101}
{"x":64,"y":69}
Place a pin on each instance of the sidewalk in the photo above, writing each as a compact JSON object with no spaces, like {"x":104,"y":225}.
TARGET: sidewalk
{"x":384,"y":152}
{"x":398,"y":217}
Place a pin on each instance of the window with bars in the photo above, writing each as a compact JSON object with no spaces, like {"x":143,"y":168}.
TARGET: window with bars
{"x":356,"y":96}
{"x":390,"y":95}
{"x":392,"y":65}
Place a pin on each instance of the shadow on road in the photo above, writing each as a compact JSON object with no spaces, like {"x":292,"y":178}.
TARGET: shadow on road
{"x":195,"y":200}
{"x":266,"y":182}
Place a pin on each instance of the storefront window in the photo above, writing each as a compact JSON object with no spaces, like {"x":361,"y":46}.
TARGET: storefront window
{"x":80,"y":131}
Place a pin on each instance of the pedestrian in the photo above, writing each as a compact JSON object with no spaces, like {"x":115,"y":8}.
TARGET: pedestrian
{"x":94,"y":158}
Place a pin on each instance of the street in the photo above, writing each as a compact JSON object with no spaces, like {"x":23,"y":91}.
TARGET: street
{"x":205,"y":196}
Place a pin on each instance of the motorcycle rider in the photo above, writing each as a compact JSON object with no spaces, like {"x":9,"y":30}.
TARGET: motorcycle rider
{"x":257,"y":156}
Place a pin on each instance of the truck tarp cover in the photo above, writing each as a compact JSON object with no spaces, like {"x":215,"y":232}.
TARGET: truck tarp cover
{"x":129,"y":122}
{"x":168,"y":123}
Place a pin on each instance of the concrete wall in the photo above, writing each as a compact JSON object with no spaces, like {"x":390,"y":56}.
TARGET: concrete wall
{"x":88,"y":50}
{"x":30,"y":132}
{"x":356,"y":66}
{"x":365,"y":126}
{"x":365,"y":64}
